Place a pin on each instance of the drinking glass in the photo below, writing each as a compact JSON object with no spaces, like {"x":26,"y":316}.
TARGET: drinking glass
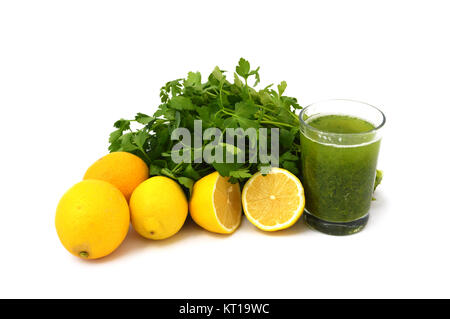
{"x":339,"y":164}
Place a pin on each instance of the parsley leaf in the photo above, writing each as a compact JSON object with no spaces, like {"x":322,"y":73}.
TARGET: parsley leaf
{"x":181,"y":103}
{"x":243,"y":68}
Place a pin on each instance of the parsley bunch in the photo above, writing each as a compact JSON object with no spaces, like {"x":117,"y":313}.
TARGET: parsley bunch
{"x":218,"y":103}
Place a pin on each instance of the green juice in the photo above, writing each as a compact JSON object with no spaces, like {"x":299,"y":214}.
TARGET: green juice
{"x":338,"y":179}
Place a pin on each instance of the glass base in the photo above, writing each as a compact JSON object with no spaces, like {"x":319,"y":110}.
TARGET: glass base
{"x":336,"y":229}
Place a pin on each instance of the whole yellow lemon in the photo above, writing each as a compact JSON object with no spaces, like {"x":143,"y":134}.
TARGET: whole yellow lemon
{"x":92,"y":219}
{"x":158,"y":208}
{"x":122,"y":169}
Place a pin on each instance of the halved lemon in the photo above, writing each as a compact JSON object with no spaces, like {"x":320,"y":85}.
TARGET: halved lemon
{"x":274,"y":201}
{"x":215,"y":204}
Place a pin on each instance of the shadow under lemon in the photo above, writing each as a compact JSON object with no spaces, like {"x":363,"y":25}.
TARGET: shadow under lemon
{"x":136,"y":244}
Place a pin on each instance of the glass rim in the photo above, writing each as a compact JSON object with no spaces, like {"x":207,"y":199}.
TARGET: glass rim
{"x":342,"y":134}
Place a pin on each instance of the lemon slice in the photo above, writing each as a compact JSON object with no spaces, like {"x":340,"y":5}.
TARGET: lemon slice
{"x":215,"y":204}
{"x":275,"y":201}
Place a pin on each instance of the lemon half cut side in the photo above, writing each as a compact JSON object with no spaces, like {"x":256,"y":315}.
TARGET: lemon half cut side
{"x":274,"y":201}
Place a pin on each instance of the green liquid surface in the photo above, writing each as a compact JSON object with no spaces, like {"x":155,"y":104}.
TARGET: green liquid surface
{"x":340,"y":124}
{"x":338,"y":179}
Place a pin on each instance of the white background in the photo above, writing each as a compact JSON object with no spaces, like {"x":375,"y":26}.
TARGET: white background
{"x":69,"y":69}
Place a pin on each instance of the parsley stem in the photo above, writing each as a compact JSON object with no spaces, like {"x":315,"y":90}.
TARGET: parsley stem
{"x":265,"y":108}
{"x":276,"y":123}
{"x":223,"y":110}
{"x":145,"y":154}
{"x":295,"y":116}
{"x":220,"y":94}
{"x":175,"y":169}
{"x":261,"y":115}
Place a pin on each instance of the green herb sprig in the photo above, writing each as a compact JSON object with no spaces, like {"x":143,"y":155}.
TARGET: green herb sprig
{"x":218,"y":103}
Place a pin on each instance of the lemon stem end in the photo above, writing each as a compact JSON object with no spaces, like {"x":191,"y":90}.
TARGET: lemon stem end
{"x":84,"y":254}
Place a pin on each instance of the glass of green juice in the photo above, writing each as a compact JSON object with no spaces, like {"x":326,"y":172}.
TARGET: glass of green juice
{"x":340,"y":140}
